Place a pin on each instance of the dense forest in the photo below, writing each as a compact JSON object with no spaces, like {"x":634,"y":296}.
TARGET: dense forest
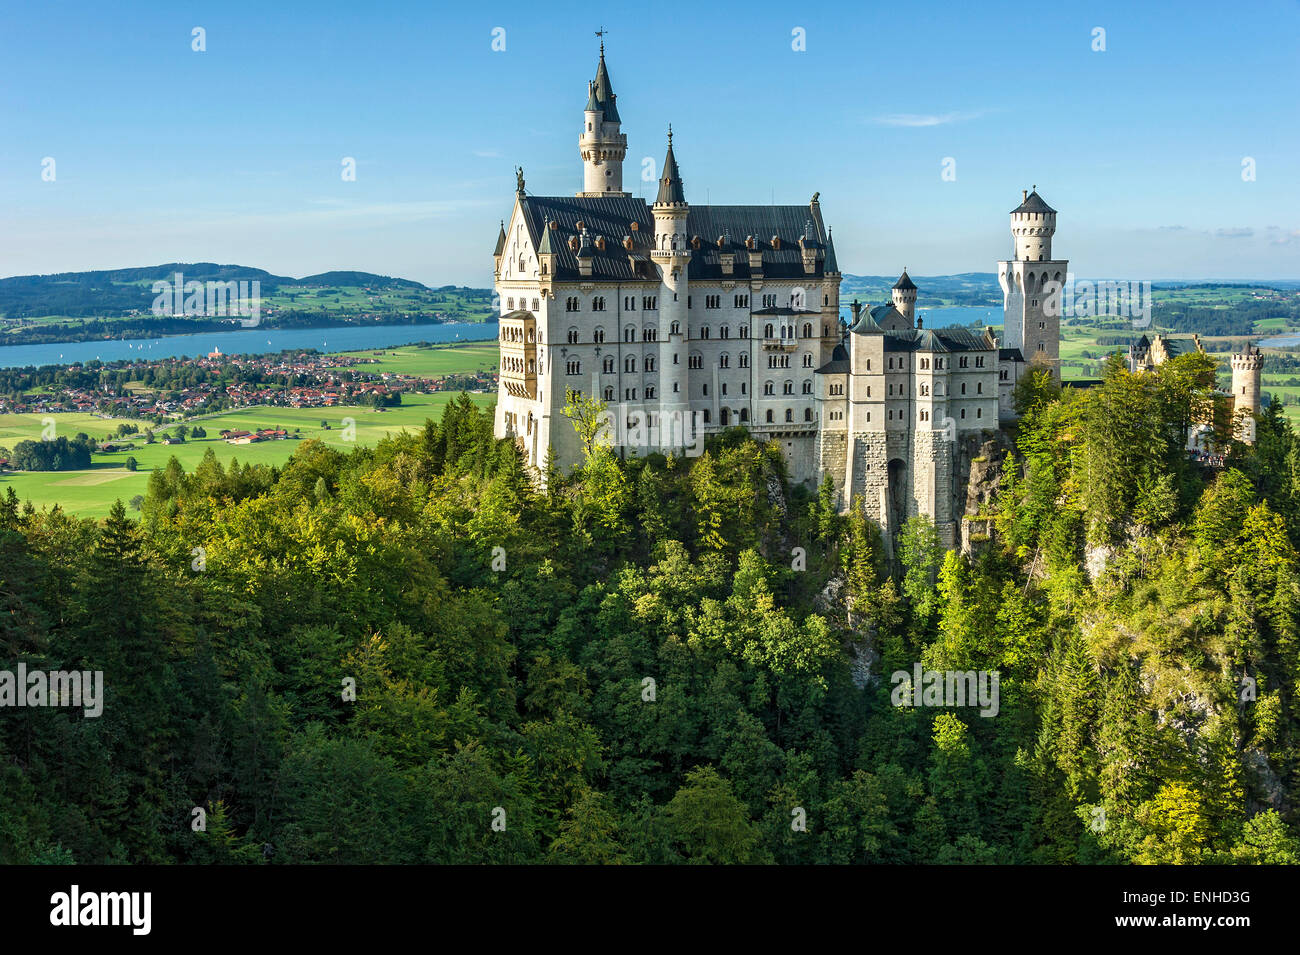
{"x":410,"y":653}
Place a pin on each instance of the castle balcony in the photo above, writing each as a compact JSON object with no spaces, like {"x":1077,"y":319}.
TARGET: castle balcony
{"x":781,"y":344}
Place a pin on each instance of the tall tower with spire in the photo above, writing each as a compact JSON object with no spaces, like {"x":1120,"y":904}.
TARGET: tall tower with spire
{"x":602,"y":145}
{"x":672,"y":254}
{"x":1032,"y":283}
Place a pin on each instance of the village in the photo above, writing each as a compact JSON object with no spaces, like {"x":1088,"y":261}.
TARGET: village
{"x":223,"y":382}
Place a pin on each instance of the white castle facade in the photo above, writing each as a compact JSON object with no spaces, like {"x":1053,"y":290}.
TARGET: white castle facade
{"x":687,"y":319}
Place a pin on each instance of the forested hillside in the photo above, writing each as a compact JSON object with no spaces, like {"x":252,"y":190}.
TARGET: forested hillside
{"x":635,"y":665}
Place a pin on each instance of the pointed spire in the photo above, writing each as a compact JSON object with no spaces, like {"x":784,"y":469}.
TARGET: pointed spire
{"x":904,"y":282}
{"x":501,"y":239}
{"x":831,"y":264}
{"x":602,"y":90}
{"x":545,"y":247}
{"x":670,"y":184}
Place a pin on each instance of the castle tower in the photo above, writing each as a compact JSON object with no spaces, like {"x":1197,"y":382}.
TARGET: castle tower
{"x":1031,"y":283}
{"x":602,"y":145}
{"x":672,"y":255}
{"x":905,"y":297}
{"x":1247,"y":369}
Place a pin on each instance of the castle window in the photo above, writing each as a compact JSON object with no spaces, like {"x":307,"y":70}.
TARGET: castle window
{"x":963,"y":387}
{"x":807,"y":387}
{"x":598,"y":303}
{"x":925,"y":363}
{"x":724,"y":416}
{"x":744,"y":331}
{"x":744,"y":415}
{"x":789,"y":414}
{"x":769,"y":415}
{"x":573,"y":367}
{"x":961,"y":362}
{"x":704,"y":391}
{"x":571,"y":304}
{"x":724,"y":389}
{"x":713,"y":301}
{"x":769,"y":388}
{"x":925,"y":389}
{"x":744,"y":359}
{"x":649,"y":363}
{"x":787,"y":388}
{"x":676,"y":328}
{"x":979,"y":412}
{"x":979,"y":361}
{"x":767,"y":331}
{"x":688,"y":300}
{"x":741,"y":301}
{"x":807,"y":330}
{"x":650,"y":391}
{"x":704,"y":331}
{"x":599,"y":336}
{"x":807,"y":361}
{"x":573,"y":336}
{"x":724,"y":360}
{"x":1042,"y":347}
{"x":695,"y":361}
{"x":706,"y":415}
{"x":963,"y":412}
{"x":609,"y":365}
{"x":629,"y":364}
{"x":979,"y":387}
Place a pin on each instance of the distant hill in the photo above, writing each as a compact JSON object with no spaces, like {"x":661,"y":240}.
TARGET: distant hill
{"x":966,"y":288}
{"x":115,"y":294}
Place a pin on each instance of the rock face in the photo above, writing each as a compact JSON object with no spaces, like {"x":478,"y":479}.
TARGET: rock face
{"x":983,"y":481}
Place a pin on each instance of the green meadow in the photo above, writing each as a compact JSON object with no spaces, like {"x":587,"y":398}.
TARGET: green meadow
{"x":92,"y":492}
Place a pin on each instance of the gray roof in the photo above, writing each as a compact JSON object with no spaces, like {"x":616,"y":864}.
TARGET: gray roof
{"x":501,"y":240}
{"x":670,"y":184}
{"x":1033,"y":203}
{"x":836,"y":366}
{"x":1011,"y":354}
{"x":904,"y":282}
{"x":612,"y":216}
{"x":604,"y":91}
{"x":831,"y":264}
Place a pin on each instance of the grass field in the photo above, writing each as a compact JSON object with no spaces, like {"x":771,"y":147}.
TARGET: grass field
{"x":91,"y":493}
{"x":431,"y":362}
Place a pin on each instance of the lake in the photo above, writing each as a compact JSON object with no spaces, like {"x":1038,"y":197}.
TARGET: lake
{"x":252,"y":341}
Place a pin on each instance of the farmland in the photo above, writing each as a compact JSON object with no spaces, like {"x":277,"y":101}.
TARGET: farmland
{"x":92,"y":492}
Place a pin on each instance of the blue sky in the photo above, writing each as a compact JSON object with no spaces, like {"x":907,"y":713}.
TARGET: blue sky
{"x":234,"y":154}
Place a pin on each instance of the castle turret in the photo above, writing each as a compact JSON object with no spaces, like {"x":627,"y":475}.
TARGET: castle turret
{"x":1031,"y":283}
{"x":1247,"y":372}
{"x":602,"y":145}
{"x":672,"y":255}
{"x":904,"y":294}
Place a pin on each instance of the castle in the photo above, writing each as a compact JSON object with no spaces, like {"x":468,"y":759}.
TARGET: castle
{"x":685,"y":319}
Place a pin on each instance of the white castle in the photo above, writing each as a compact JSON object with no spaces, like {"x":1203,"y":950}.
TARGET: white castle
{"x":686,"y":319}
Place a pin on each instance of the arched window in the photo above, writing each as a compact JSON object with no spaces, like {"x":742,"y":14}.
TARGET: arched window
{"x":769,"y":415}
{"x":807,"y":414}
{"x":573,"y":336}
{"x":789,"y":414}
{"x":744,"y":415}
{"x":609,"y":392}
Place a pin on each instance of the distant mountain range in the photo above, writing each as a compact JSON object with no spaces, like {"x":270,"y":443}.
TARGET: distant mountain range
{"x":117,"y":292}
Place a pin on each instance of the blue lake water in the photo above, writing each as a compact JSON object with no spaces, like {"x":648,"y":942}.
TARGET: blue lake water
{"x":252,"y":341}
{"x":1279,"y":341}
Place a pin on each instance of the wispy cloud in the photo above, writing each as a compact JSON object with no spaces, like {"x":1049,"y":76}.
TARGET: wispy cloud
{"x":1244,"y":233}
{"x":1278,"y":236}
{"x":916,"y":120}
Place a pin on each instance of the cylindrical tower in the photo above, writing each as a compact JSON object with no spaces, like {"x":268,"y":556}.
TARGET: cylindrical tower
{"x":1033,"y":223}
{"x":672,"y":254}
{"x":904,"y":294}
{"x":1247,"y":374}
{"x":601,"y":144}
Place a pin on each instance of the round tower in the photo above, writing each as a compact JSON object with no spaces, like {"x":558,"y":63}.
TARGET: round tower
{"x":672,"y":254}
{"x":904,"y":294}
{"x":1033,"y":223}
{"x":1247,"y":372}
{"x":601,"y":144}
